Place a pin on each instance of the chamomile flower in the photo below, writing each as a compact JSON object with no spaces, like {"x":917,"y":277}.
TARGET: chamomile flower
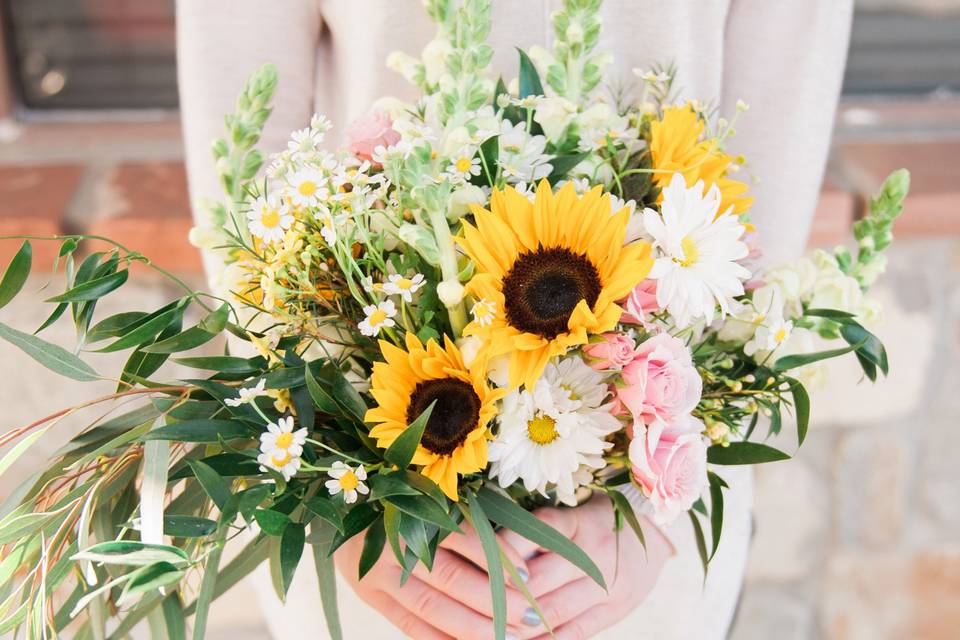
{"x":483,"y":311}
{"x":307,"y":187}
{"x":347,"y":480}
{"x":696,"y":253}
{"x":328,"y":228}
{"x":281,"y":446}
{"x":464,"y":165}
{"x":769,"y":336}
{"x":548,"y":435}
{"x":378,"y":316}
{"x":403,"y":286}
{"x":269,"y":218}
{"x":306,"y":139}
{"x":522,"y":156}
{"x":248,"y":394}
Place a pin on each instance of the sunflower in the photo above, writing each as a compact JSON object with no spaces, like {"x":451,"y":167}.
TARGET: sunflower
{"x":676,"y":146}
{"x":551,"y":271}
{"x":454,"y":441}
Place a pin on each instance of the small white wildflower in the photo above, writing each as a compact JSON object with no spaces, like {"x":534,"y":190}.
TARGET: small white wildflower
{"x":349,"y":481}
{"x":483,"y":311}
{"x":377,"y":316}
{"x":248,"y":394}
{"x":269,"y":218}
{"x":403,"y":286}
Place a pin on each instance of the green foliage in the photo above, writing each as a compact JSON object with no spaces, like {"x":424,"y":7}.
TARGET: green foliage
{"x":744,"y":453}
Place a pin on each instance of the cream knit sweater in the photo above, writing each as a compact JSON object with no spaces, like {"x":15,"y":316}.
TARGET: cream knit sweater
{"x":783,"y":57}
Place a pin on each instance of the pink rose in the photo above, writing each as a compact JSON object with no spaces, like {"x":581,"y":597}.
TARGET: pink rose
{"x":641,"y":302}
{"x":614,"y":352}
{"x":369,"y":132}
{"x":670,"y":464}
{"x":660,"y":383}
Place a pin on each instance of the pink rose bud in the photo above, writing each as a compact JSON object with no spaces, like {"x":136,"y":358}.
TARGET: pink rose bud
{"x":641,"y":302}
{"x":669,"y":462}
{"x":660,"y":383}
{"x":615,"y":352}
{"x":369,"y":132}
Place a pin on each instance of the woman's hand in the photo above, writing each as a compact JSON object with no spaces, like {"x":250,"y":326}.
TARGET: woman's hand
{"x":452,"y":601}
{"x":574,"y":605}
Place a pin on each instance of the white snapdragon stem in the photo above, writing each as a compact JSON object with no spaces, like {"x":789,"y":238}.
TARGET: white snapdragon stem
{"x":448,"y":265}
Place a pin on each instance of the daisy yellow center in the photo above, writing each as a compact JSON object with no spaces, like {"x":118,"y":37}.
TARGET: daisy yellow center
{"x":349,"y":481}
{"x":377,"y":317}
{"x":543,"y":288}
{"x":780,"y":335}
{"x":280,"y":458}
{"x":542,"y":430}
{"x":463,"y":164}
{"x":404,"y":284}
{"x":307,"y":188}
{"x":269,"y":217}
{"x":284,"y":440}
{"x":690,"y":252}
{"x":455,"y":414}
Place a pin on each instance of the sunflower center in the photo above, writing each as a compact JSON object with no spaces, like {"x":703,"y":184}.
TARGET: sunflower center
{"x":543,"y":288}
{"x":455,"y":415}
{"x":542,"y":430}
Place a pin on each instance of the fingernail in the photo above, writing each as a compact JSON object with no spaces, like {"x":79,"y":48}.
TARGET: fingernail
{"x":510,"y":636}
{"x":524,"y":575}
{"x":531,"y":618}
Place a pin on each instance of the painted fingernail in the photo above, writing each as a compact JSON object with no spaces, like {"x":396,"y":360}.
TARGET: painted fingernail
{"x":524,"y":575}
{"x":531,"y":618}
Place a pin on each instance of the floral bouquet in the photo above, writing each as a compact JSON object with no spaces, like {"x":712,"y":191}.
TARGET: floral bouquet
{"x":498,"y":297}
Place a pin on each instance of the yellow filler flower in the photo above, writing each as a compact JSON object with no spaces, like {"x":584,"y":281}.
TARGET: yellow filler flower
{"x":676,"y":146}
{"x":555,"y":267}
{"x":455,"y":438}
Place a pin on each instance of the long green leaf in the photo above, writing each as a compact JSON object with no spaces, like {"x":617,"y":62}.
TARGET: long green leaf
{"x":200,"y":431}
{"x":401,"y":451}
{"x":291,"y":548}
{"x":798,"y":360}
{"x":529,"y":78}
{"x":16,"y":274}
{"x":716,"y":510}
{"x":19,"y":449}
{"x":801,"y":408}
{"x":55,"y":358}
{"x":215,"y":486}
{"x":93,"y":289}
{"x":173,"y":618}
{"x":508,"y":513}
{"x":186,"y":526}
{"x":744,"y":453}
{"x":491,"y":549}
{"x":184,"y":341}
{"x":321,"y":535}
{"x":424,"y":508}
{"x":623,"y":505}
{"x":373,"y":544}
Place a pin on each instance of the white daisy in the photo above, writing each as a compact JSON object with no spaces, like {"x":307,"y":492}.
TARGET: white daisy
{"x":378,"y":316}
{"x":547,"y":436}
{"x":281,"y":446}
{"x":306,"y":139}
{"x":307,"y":187}
{"x":403,"y":286}
{"x":269,"y":218}
{"x":522,"y":156}
{"x":769,"y":335}
{"x":347,"y":480}
{"x":483,"y":312}
{"x":696,"y":253}
{"x":248,"y":394}
{"x":464,"y":165}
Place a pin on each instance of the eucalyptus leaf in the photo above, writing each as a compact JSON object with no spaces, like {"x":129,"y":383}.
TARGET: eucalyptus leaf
{"x":16,"y":274}
{"x":55,"y":358}
{"x":93,"y":289}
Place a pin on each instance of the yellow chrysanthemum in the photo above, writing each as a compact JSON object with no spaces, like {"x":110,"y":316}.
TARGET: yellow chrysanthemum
{"x":676,"y":145}
{"x":455,"y":439}
{"x":553,"y":270}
